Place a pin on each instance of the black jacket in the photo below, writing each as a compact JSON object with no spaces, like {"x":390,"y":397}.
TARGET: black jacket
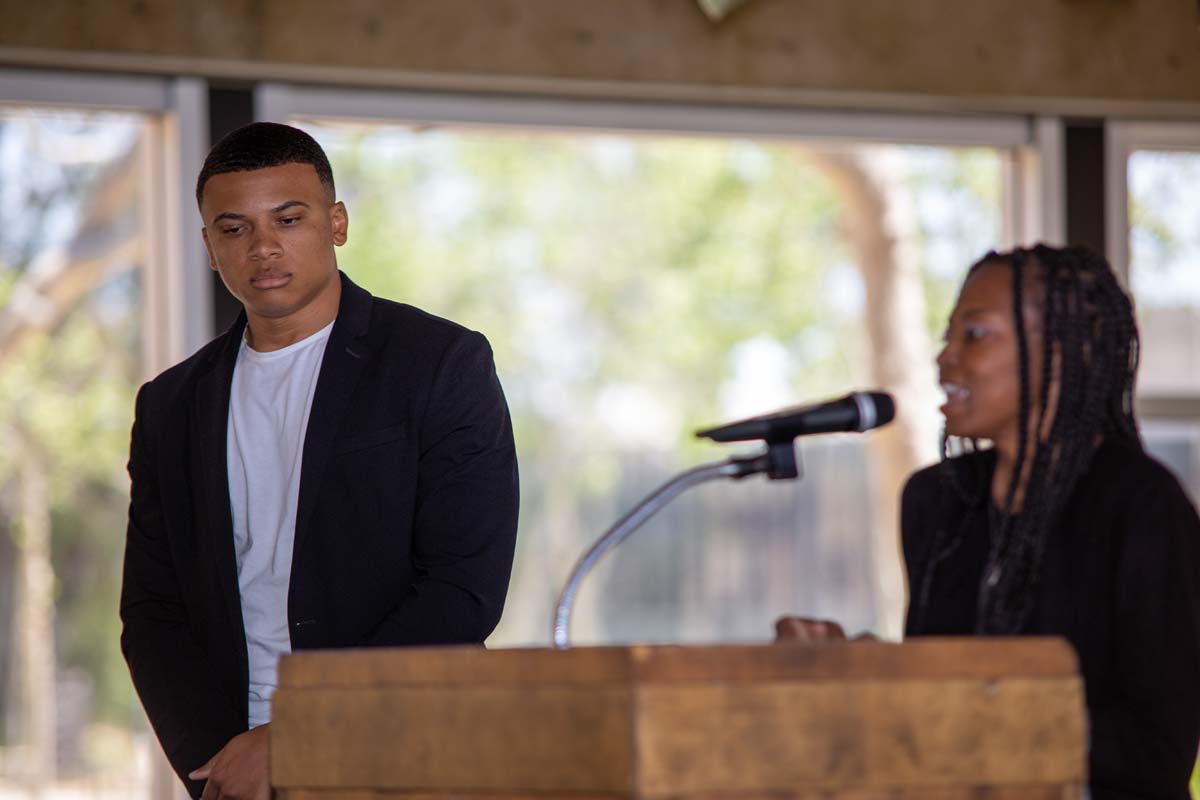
{"x":405,"y":525}
{"x":1120,"y":580}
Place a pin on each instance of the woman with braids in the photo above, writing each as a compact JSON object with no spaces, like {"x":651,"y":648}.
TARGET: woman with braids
{"x":1063,"y":526}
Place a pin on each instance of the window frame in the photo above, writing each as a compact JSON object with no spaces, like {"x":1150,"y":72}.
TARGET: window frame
{"x":177,"y":292}
{"x":1122,"y":139}
{"x":1031,"y":147}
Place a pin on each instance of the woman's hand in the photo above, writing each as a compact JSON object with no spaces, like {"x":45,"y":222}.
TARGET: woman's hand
{"x":808,"y":631}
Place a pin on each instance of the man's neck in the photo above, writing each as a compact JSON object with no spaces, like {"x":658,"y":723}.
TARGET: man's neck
{"x":266,"y":334}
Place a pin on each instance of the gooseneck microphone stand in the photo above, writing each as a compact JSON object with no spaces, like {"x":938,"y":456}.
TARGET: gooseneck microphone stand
{"x":779,"y":462}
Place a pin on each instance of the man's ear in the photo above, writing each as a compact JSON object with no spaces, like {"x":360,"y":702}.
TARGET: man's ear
{"x":340,"y":222}
{"x":212,"y":261}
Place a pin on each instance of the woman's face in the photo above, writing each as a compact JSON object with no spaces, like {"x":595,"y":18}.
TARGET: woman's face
{"x":979,"y":364}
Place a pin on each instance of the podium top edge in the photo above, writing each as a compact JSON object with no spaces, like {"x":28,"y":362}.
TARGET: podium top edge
{"x":918,"y":659}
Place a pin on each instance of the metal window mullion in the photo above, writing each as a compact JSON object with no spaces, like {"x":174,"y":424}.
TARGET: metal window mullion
{"x":83,"y":90}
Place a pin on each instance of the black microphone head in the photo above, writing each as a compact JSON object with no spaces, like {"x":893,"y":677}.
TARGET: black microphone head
{"x":859,"y":411}
{"x":875,"y":409}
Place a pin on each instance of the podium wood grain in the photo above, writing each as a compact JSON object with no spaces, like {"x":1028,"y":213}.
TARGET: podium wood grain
{"x":950,"y":718}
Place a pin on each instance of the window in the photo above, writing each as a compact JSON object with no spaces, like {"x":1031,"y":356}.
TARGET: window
{"x":1155,"y":239}
{"x":645,"y":271}
{"x":86,"y":288}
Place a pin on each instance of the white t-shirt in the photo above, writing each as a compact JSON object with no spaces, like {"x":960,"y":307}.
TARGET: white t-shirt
{"x":269,"y":404}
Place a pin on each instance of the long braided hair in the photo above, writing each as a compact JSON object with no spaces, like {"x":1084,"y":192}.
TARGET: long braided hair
{"x":1089,"y":355}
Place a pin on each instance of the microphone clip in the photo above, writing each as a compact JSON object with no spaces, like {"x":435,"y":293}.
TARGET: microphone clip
{"x":778,"y":461}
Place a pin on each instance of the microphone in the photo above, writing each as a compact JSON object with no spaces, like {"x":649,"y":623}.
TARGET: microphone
{"x":858,"y":411}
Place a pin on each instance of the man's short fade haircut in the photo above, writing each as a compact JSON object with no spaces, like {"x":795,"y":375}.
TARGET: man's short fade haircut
{"x":260,"y":145}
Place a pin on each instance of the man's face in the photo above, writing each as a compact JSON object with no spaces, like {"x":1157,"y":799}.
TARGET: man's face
{"x":270,"y":233}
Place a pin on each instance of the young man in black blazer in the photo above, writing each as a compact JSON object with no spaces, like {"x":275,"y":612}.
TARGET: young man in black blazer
{"x":336,"y":470}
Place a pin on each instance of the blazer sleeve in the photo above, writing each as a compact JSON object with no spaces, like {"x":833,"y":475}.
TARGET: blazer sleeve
{"x":192,"y":717}
{"x":465,"y":525}
{"x":1148,"y":732}
{"x":916,"y":538}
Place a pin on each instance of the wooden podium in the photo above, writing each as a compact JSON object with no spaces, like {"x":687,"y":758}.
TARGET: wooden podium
{"x":936,"y":718}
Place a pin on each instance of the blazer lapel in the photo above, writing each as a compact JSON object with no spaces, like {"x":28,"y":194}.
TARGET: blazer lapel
{"x":210,"y":432}
{"x":343,"y":362}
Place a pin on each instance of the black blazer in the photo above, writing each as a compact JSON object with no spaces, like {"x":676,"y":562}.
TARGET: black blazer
{"x":1120,"y":579}
{"x":405,"y":526}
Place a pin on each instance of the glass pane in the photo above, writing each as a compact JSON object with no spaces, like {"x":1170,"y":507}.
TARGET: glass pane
{"x":636,"y":288}
{"x":1176,"y":443}
{"x":72,"y":247}
{"x":1164,"y":271}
